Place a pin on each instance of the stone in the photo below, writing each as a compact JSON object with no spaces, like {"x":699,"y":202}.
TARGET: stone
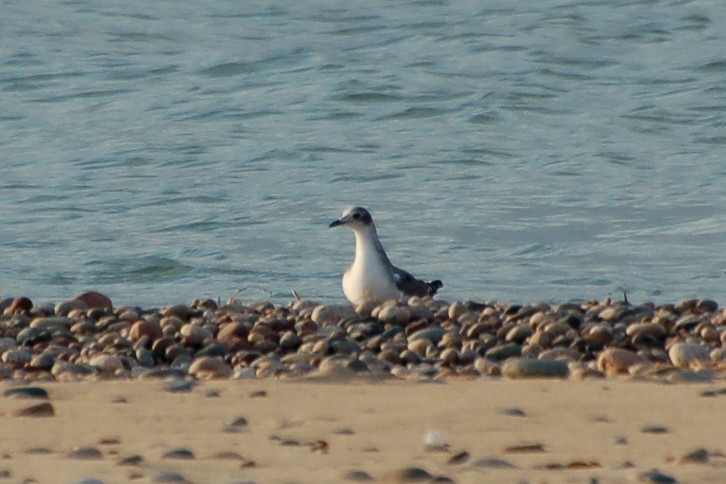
{"x":65,"y":307}
{"x":290,"y":341}
{"x":40,"y":410}
{"x":207,"y":367}
{"x":238,"y":424}
{"x":145,"y":357}
{"x":531,"y":368}
{"x":487,"y":367}
{"x":142,"y":328}
{"x":87,"y":453}
{"x":107,"y":364}
{"x":332,"y":314}
{"x":655,"y":476}
{"x":503,"y":351}
{"x":598,"y":334}
{"x":214,"y":348}
{"x":343,"y":346}
{"x":66,"y":369}
{"x":51,"y":322}
{"x":19,"y":305}
{"x":406,"y":474}
{"x":194,"y":335}
{"x":698,"y":456}
{"x":392,"y":314}
{"x":180,"y":311}
{"x":432,"y":334}
{"x":642,"y":331}
{"x":458,"y":458}
{"x":234,"y":329}
{"x":180,"y":453}
{"x":94,"y":299}
{"x":519,"y":333}
{"x":617,"y":360}
{"x":17,"y":357}
{"x":131,"y":460}
{"x":27,"y":392}
{"x":493,"y":462}
{"x":689,"y":355}
{"x":170,"y":476}
{"x":688,"y":321}
{"x":357,"y":476}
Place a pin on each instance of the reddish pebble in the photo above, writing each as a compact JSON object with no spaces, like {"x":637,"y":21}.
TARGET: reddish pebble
{"x":142,"y":327}
{"x":94,"y":299}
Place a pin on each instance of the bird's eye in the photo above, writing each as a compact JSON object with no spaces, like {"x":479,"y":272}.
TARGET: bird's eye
{"x":356,"y":216}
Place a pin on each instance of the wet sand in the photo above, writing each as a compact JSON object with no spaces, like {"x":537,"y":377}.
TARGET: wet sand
{"x":339,"y":430}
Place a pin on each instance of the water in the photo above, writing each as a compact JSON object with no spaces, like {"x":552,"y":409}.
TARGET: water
{"x":522,"y":151}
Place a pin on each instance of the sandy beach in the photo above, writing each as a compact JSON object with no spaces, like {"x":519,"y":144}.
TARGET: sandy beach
{"x":327,"y":430}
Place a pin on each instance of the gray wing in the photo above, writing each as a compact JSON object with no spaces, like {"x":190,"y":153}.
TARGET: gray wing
{"x":411,"y":286}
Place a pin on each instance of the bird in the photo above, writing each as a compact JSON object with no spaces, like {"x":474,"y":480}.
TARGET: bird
{"x":372,"y":276}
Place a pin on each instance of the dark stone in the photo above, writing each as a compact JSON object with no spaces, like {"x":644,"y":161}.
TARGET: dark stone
{"x":26,"y":392}
{"x":503,"y":351}
{"x":39,"y":410}
{"x":179,"y":454}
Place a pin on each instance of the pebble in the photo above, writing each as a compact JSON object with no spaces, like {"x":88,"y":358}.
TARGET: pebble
{"x":698,"y":456}
{"x":131,"y":460}
{"x":180,"y":453}
{"x":207,"y":367}
{"x":143,"y":327}
{"x":512,"y":412}
{"x":27,"y":392}
{"x":494,"y":462}
{"x":534,"y":447}
{"x":180,"y":386}
{"x":107,"y":364}
{"x":458,"y":458}
{"x":617,"y":360}
{"x":86,"y":453}
{"x":40,"y":410}
{"x":407,"y":474}
{"x":357,"y":476}
{"x":238,"y":424}
{"x":169,"y":476}
{"x":655,"y":476}
{"x":530,"y":368}
{"x":432,"y":334}
{"x":17,"y":357}
{"x":85,"y":337}
{"x":327,"y":315}
{"x":503,"y":351}
{"x":94,"y":299}
{"x":689,"y":355}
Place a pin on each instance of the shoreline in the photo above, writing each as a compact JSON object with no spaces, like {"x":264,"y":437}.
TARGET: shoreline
{"x":86,"y":337}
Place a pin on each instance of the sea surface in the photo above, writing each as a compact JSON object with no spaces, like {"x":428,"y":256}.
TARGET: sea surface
{"x":521,"y":151}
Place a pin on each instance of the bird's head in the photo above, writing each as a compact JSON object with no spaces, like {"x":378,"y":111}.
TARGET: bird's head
{"x":357,"y":218}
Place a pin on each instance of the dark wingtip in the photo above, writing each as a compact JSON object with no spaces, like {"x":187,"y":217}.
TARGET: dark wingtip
{"x":434,"y":286}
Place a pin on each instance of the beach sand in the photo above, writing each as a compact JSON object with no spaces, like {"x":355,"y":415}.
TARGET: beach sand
{"x":323,"y":430}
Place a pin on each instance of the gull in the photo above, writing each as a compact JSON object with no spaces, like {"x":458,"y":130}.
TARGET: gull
{"x":372,"y":276}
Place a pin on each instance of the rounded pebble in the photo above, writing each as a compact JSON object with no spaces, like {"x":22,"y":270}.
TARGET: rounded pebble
{"x":530,"y":368}
{"x":689,"y":355}
{"x":207,"y":367}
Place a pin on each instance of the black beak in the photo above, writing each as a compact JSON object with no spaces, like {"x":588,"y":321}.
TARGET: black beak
{"x":335,"y":224}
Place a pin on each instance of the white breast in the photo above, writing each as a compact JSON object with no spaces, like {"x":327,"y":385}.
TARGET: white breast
{"x":368,"y":278}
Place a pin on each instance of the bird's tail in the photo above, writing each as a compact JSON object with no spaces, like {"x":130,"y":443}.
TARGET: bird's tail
{"x":434,"y":286}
